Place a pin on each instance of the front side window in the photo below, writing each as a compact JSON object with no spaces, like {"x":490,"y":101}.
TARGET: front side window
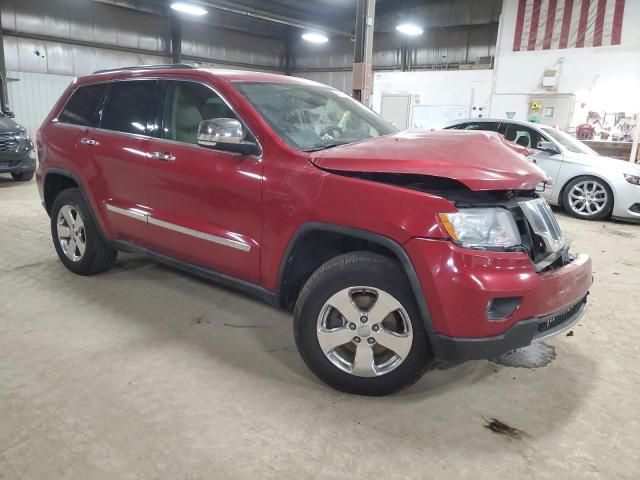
{"x":313,"y":117}
{"x":82,"y":107}
{"x":187,"y":104}
{"x":128,"y":106}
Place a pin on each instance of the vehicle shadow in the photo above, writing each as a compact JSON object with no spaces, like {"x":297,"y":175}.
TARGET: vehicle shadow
{"x":256,"y":338}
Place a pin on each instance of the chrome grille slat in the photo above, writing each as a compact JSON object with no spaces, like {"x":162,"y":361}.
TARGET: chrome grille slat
{"x":544,"y":224}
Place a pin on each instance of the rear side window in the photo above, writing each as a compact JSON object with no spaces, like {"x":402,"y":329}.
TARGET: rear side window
{"x":82,"y":107}
{"x":128,"y":106}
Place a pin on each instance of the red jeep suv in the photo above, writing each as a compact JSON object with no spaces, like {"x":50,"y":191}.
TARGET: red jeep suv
{"x":396,"y":251}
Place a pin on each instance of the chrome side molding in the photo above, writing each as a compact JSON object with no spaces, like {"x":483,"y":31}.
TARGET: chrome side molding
{"x":144,"y":217}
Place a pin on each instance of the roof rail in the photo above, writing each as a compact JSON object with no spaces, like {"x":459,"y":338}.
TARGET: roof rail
{"x":147,"y":67}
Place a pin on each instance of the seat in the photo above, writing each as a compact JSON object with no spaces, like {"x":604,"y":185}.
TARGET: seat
{"x":187,"y":121}
{"x":523,"y":139}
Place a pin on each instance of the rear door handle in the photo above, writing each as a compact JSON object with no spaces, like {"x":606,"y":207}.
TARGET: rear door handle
{"x":89,"y":141}
{"x":164,"y":156}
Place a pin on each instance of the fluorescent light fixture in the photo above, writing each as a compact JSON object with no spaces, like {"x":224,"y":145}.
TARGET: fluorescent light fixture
{"x":315,"y":37}
{"x":188,"y":8}
{"x":410,"y":29}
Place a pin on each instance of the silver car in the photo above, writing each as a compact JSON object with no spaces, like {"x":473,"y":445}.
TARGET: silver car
{"x":586,"y":184}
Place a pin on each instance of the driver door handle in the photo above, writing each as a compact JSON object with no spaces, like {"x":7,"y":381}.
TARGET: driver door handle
{"x":89,"y":141}
{"x":164,"y":156}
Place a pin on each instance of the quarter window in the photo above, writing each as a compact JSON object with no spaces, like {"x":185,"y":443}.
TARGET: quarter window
{"x":188,"y":104}
{"x":128,"y":106}
{"x":82,"y":107}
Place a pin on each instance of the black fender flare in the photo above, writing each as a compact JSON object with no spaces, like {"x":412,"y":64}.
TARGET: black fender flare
{"x":372,"y":237}
{"x":76,"y":179}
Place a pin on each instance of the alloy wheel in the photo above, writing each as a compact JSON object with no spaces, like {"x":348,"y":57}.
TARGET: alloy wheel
{"x":588,"y":198}
{"x":71,"y":233}
{"x":364,"y":331}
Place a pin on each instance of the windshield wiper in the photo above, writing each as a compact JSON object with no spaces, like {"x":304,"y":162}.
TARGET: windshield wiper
{"x":323,"y":147}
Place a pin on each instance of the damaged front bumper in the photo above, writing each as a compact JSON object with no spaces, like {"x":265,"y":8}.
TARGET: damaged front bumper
{"x":483,"y":304}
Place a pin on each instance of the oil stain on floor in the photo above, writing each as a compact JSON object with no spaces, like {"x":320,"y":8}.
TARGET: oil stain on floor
{"x":534,"y":356}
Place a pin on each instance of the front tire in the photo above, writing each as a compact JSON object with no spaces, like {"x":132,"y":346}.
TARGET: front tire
{"x":358,"y":328}
{"x":76,"y":238}
{"x":22,"y":176}
{"x":587,"y":197}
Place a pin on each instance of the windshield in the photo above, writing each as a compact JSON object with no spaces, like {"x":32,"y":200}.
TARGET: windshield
{"x":567,"y":141}
{"x":313,"y":117}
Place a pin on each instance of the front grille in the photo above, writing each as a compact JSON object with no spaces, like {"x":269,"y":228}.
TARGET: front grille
{"x":558,"y":319}
{"x":543,"y":223}
{"x":540,"y":233}
{"x":8,"y":143}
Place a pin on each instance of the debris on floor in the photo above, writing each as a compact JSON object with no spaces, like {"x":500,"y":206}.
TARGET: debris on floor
{"x":570,"y":333}
{"x":534,"y":356}
{"x":502,"y":428}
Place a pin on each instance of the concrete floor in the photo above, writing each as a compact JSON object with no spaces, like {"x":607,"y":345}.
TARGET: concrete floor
{"x":144,"y":372}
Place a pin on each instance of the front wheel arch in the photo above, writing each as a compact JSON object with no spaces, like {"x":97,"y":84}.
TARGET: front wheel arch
{"x":397,"y":251}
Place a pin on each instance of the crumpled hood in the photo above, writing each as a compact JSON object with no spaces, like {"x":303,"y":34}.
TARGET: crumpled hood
{"x":479,"y":160}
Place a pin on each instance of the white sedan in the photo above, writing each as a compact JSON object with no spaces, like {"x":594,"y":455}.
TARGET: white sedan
{"x":586,"y":184}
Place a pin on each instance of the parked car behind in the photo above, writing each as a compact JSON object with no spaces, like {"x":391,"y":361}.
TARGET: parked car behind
{"x":395,"y":251}
{"x":17,"y":155}
{"x":586,"y":184}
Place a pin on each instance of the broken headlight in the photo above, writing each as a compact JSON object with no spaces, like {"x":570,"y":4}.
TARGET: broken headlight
{"x":482,"y":227}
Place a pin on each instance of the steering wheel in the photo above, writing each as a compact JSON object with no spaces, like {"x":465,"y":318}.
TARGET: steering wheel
{"x":331,"y":131}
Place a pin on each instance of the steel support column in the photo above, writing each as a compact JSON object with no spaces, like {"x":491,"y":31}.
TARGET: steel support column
{"x":636,"y":140}
{"x":363,"y":52}
{"x":176,"y":38}
{"x":4,"y":100}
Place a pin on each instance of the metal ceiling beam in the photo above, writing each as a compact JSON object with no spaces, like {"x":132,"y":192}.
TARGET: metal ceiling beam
{"x":234,"y":8}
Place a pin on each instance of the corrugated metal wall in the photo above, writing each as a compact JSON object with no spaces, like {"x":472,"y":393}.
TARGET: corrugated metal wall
{"x":73,"y":37}
{"x":32,"y":95}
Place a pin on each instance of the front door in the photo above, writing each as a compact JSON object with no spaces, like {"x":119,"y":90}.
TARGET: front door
{"x":205,"y":204}
{"x":530,"y":138}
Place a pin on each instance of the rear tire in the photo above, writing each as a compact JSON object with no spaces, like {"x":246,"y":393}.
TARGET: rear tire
{"x":343,"y":334}
{"x":22,"y":176}
{"x":76,"y":238}
{"x":588,"y":198}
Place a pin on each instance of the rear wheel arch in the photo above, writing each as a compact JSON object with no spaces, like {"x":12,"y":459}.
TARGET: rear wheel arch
{"x":56,"y":181}
{"x":324,"y":241}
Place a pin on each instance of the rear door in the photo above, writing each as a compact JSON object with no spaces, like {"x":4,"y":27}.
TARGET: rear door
{"x":205,"y":204}
{"x":118,"y":157}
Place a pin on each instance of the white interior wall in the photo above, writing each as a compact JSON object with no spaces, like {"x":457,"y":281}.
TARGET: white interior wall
{"x":449,"y":93}
{"x":601,"y":78}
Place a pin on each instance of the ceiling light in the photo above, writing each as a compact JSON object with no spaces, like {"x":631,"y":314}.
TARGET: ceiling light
{"x":409,"y":29}
{"x":188,"y":8}
{"x":315,"y":37}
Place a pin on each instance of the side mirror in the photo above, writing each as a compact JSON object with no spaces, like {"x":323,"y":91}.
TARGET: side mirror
{"x":225,"y":134}
{"x":9,"y":114}
{"x":548,"y":147}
